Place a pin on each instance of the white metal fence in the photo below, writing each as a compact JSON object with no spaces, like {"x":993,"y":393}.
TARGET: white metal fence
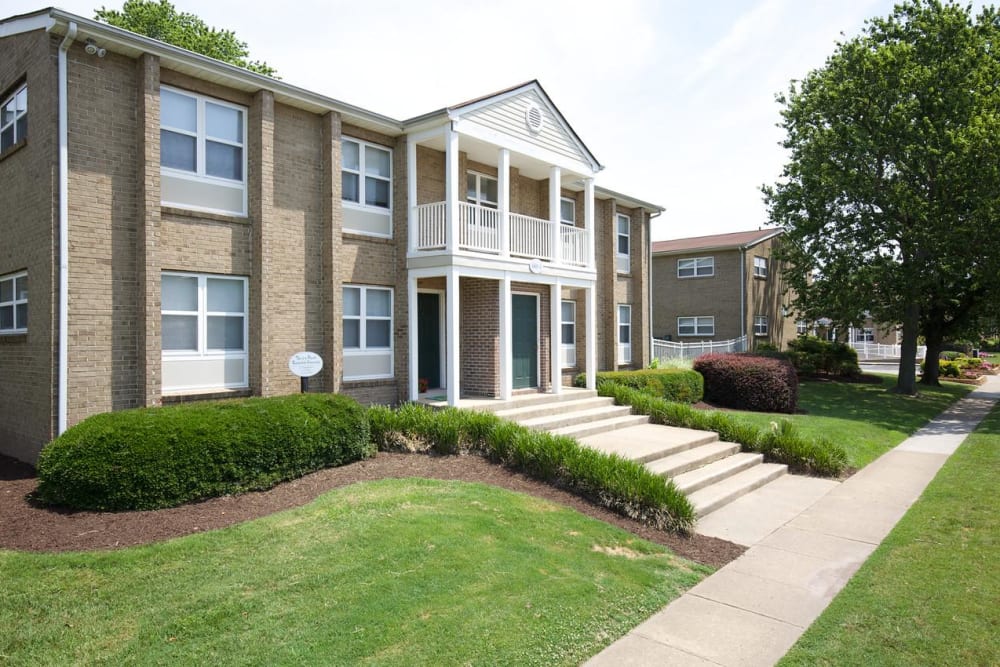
{"x":666,"y":349}
{"x":870,"y":351}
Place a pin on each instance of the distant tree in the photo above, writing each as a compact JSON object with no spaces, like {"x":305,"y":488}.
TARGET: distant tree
{"x":891,"y":196}
{"x":161,"y":20}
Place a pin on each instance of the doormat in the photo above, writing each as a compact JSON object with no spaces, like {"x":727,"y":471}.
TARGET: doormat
{"x":443,"y":397}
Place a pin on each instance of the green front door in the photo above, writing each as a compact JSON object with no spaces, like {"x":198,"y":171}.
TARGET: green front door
{"x":429,"y":339}
{"x":524,"y":311}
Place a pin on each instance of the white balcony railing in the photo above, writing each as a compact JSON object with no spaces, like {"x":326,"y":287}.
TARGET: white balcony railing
{"x":479,"y":230}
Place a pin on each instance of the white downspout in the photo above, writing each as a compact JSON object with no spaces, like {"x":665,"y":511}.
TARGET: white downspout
{"x":743,"y":297}
{"x":649,"y":283}
{"x":64,"y":229}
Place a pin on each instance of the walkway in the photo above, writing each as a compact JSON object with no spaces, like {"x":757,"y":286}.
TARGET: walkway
{"x":753,"y":610}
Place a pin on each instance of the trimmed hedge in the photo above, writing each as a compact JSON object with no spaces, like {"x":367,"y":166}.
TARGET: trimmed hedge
{"x":813,"y":356}
{"x":781,"y":444}
{"x":674,"y":384}
{"x":747,"y":382}
{"x":624,"y":486}
{"x":150,"y":458}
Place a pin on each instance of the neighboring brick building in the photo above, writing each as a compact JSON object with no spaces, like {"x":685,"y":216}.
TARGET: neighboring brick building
{"x":719,"y":288}
{"x":213,"y":222}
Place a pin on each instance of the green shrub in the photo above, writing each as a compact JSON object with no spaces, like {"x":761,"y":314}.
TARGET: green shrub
{"x":749,"y":382}
{"x":950,"y":355}
{"x":623,"y":486}
{"x":782,"y":444}
{"x":150,"y":458}
{"x":812,"y":356}
{"x":675,"y":384}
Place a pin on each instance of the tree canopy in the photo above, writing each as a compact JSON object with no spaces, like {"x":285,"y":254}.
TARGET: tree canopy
{"x":891,"y":195}
{"x":160,"y":20}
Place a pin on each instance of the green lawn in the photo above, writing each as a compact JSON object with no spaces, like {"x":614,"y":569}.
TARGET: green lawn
{"x":930,"y":594}
{"x":390,"y":572}
{"x":864,"y":419}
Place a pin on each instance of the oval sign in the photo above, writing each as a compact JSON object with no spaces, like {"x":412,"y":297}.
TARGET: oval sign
{"x":305,"y":364}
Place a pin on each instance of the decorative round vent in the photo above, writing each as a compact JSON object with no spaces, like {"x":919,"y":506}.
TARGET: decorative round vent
{"x":533,"y":118}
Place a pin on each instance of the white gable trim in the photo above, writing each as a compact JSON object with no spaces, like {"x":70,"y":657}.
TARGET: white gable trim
{"x":475,"y":130}
{"x":18,"y":26}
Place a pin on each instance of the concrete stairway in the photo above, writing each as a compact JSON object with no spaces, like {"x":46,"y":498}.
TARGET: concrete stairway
{"x":712,"y":473}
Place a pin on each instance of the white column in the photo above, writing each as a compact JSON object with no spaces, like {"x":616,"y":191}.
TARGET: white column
{"x":555,"y":190}
{"x":412,"y":333}
{"x":588,"y":219}
{"x":411,"y":192}
{"x":452,"y":322}
{"x":503,"y":194}
{"x":451,"y":187}
{"x":555,"y":343}
{"x":506,"y":341}
{"x":591,"y":342}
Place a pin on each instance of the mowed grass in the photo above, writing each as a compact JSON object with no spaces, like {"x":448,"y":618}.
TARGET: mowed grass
{"x":930,"y":594}
{"x":390,"y":572}
{"x":865,"y":419}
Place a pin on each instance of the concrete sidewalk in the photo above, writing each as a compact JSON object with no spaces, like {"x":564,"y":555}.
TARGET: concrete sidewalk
{"x":754,"y":609}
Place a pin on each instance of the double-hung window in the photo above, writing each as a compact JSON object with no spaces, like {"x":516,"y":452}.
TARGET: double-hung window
{"x":696,"y":267}
{"x":567,"y":211}
{"x":802,"y":327}
{"x":567,"y":326}
{"x":14,"y":118}
{"x":14,"y":303}
{"x":623,"y":261}
{"x":624,"y":334}
{"x":867,"y":335}
{"x":366,"y":187}
{"x":760,"y":267}
{"x":760,"y":325}
{"x":202,"y":153}
{"x":204,"y":331}
{"x":695,"y":326}
{"x":481,"y":190}
{"x":367,"y":330}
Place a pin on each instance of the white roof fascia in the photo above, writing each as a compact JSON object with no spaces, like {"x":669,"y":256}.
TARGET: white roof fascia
{"x":27,"y":23}
{"x":625,"y":200}
{"x":470,"y":128}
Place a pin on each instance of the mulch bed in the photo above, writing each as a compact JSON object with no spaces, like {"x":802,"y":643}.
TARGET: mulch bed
{"x":26,"y":526}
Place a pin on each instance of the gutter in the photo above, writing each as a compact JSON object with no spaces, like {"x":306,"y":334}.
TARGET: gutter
{"x":649,"y":284}
{"x":64,"y":229}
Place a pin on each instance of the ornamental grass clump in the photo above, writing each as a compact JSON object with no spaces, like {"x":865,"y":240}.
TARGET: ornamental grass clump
{"x":616,"y":483}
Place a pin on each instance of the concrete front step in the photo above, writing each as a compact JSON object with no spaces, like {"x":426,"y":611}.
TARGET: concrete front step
{"x":539,"y":409}
{"x":689,"y":459}
{"x":587,"y":429}
{"x":699,"y":478}
{"x":648,"y":442}
{"x":526,"y":400}
{"x":572,"y":418}
{"x":714,"y":496}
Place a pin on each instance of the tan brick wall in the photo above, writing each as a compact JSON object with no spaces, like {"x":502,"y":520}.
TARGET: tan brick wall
{"x":29,"y":227}
{"x":766,"y":296}
{"x":717,"y":296}
{"x":479,"y":353}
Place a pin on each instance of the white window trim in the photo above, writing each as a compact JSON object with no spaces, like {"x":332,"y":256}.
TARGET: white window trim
{"x":696,"y":322}
{"x":624,"y":349}
{"x":757,"y":321}
{"x":360,"y":205}
{"x":759,"y":269}
{"x":12,"y":277}
{"x":479,"y":199}
{"x":23,"y":87}
{"x":628,"y":235}
{"x":203,"y":352}
{"x":568,"y":349}
{"x":696,"y":266}
{"x":362,"y":317}
{"x":200,"y":135}
{"x":801,"y":327}
{"x":566,"y":221}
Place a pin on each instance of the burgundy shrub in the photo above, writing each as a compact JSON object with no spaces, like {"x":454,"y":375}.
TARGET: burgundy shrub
{"x":746,"y":382}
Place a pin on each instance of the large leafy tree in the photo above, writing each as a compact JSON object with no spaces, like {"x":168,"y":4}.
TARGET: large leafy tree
{"x":891,"y":195}
{"x":160,"y":20}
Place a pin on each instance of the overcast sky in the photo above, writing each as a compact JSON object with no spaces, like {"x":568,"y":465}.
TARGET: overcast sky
{"x":675,"y":98}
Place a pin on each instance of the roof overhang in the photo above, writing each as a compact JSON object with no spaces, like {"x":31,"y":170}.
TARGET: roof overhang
{"x":718,"y":247}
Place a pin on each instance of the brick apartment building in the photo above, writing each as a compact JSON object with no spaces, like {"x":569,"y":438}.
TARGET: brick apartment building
{"x":721,"y":287}
{"x":174,"y":228}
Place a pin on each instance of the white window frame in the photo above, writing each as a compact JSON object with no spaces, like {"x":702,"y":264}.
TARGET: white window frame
{"x":363,"y":317}
{"x":867,"y":335}
{"x":760,"y":325}
{"x":362,"y":175}
{"x":700,"y":325}
{"x":759,"y":266}
{"x":624,"y":349}
{"x":201,"y":137}
{"x":23,"y":88}
{"x":568,"y":349}
{"x":699,"y":267}
{"x":801,"y":327}
{"x":569,"y":222}
{"x":203,"y":352}
{"x":14,"y":303}
{"x":480,"y":199}
{"x":621,"y":257}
